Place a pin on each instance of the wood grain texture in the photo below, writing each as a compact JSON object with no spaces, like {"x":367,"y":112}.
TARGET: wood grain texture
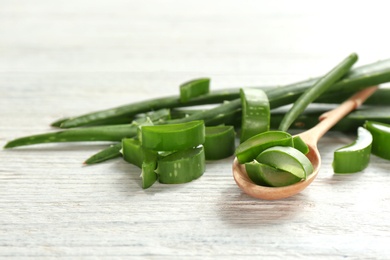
{"x":64,"y":58}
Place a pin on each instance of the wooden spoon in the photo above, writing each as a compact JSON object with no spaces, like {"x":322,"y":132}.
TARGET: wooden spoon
{"x":310,"y":137}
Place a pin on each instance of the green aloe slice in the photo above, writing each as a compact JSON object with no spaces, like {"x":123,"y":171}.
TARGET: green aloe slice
{"x":182,"y":166}
{"x":380,"y":138}
{"x":219,"y":142}
{"x":300,"y":144}
{"x":194,"y":88}
{"x":255,"y":112}
{"x":355,"y":156}
{"x":134,"y":153}
{"x":148,"y":174}
{"x":287,"y":159}
{"x":143,"y":158}
{"x":251,"y":148}
{"x":265,"y":175}
{"x":173,"y":137}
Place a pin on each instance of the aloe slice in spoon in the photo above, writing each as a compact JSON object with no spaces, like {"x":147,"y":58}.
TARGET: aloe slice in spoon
{"x":265,"y":175}
{"x":300,"y":144}
{"x":251,"y":148}
{"x":287,"y":159}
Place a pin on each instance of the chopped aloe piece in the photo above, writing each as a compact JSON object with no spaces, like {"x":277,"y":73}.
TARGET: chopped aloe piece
{"x":380,"y":138}
{"x":251,"y":148}
{"x":287,"y":159}
{"x":194,"y":88}
{"x":355,"y":156}
{"x":148,"y":173}
{"x":219,"y":142}
{"x":255,"y":173}
{"x":265,"y":175}
{"x":143,"y":158}
{"x":255,"y":112}
{"x":134,"y":153}
{"x":173,"y":137}
{"x":182,"y":166}
{"x":300,"y":144}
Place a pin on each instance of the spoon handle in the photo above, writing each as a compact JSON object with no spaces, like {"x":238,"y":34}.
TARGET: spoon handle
{"x":330,"y":118}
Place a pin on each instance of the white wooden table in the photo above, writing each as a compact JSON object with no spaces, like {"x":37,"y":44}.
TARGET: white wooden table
{"x":64,"y":58}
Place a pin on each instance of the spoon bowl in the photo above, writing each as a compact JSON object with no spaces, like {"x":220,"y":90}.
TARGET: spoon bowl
{"x":311,"y":138}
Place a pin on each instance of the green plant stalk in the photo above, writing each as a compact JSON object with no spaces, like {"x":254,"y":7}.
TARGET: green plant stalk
{"x":319,"y":87}
{"x":95,"y":133}
{"x":148,"y":105}
{"x":357,"y":78}
{"x":211,"y":114}
{"x":108,"y":121}
{"x":111,"y":152}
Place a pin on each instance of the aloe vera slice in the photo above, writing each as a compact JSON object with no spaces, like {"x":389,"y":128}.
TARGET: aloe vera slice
{"x":300,"y":144}
{"x":182,"y":166}
{"x":265,"y":175}
{"x":143,"y":158}
{"x":173,"y":137}
{"x":255,"y":112}
{"x":134,"y":153}
{"x":194,"y":88}
{"x":219,"y":142}
{"x":251,"y":148}
{"x":355,"y":156}
{"x":287,"y":159}
{"x":148,"y":174}
{"x":380,"y":138}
